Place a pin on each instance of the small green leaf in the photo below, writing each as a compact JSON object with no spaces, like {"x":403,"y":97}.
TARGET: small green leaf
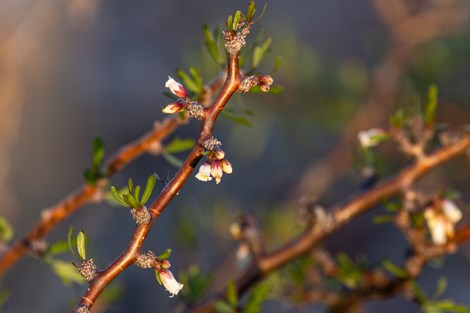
{"x":398,"y":119}
{"x":277,"y":63}
{"x":230,"y":22}
{"x":212,"y":46}
{"x":164,"y":255}
{"x":98,"y":152}
{"x":130,"y":186}
{"x":232,"y":294}
{"x":170,"y":158}
{"x":157,"y":277}
{"x":197,"y":78}
{"x":223,"y":307}
{"x":262,"y":13}
{"x":188,"y":81}
{"x":137,"y":195}
{"x":58,"y":247}
{"x":69,"y":242}
{"x":440,"y":287}
{"x":251,"y":11}
{"x":118,"y":196}
{"x":257,"y":297}
{"x":430,"y":110}
{"x":395,"y":270}
{"x":131,"y":201}
{"x":6,"y":230}
{"x":418,"y":292}
{"x":236,"y":20}
{"x":66,"y":272}
{"x":82,"y":244}
{"x":178,"y":145}
{"x":237,"y":119}
{"x":148,"y":188}
{"x":90,"y":176}
{"x":195,"y":284}
{"x":382,"y":219}
{"x":260,"y":52}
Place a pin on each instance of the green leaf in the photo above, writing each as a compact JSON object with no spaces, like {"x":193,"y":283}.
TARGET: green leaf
{"x":262,"y":13}
{"x":172,"y":159}
{"x":131,"y":201}
{"x":178,"y":145}
{"x":223,"y":307}
{"x":130,"y":186}
{"x":418,"y":292}
{"x":395,"y":270}
{"x":164,"y":255}
{"x":236,"y":19}
{"x":6,"y":230}
{"x":277,"y":63}
{"x":69,"y":242}
{"x":237,"y":119}
{"x":158,"y":278}
{"x":66,"y":272}
{"x":98,"y":152}
{"x":440,"y":287}
{"x":398,"y":119}
{"x":257,"y":297}
{"x":188,"y":81}
{"x":430,"y":110}
{"x":90,"y":176}
{"x":82,"y":244}
{"x":148,"y":188}
{"x":137,"y":195}
{"x":212,"y":46}
{"x":118,"y":196}
{"x":232,"y":294}
{"x":260,"y":52}
{"x":230,"y":22}
{"x":251,"y":11}
{"x":382,"y":219}
{"x":58,"y":247}
{"x":196,"y":283}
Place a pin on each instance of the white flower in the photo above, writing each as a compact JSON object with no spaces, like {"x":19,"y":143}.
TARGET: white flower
{"x":441,"y":222}
{"x":371,"y":137}
{"x":216,"y":171}
{"x":204,"y":173}
{"x":176,"y":88}
{"x":169,"y":282}
{"x":243,"y":255}
{"x":172,"y":108}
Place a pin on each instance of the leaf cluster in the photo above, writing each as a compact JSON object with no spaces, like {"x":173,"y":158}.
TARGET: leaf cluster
{"x":132,"y":198}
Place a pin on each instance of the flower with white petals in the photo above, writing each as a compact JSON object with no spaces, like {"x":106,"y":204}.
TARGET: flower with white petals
{"x":441,"y":222}
{"x":169,"y":282}
{"x":204,"y":173}
{"x":176,"y":88}
{"x":371,"y":137}
{"x":172,"y":108}
{"x":216,"y":171}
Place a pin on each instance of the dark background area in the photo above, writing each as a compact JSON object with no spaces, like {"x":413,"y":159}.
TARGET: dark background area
{"x":87,"y":68}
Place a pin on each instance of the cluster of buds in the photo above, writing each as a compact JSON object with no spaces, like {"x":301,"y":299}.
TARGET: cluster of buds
{"x":88,"y":269}
{"x":236,"y":39}
{"x":183,"y":103}
{"x":216,"y":163}
{"x":263,"y":81}
{"x":372,"y":137}
{"x":162,"y":273}
{"x":441,"y":217}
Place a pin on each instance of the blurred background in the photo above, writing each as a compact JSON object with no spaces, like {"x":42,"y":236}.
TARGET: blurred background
{"x":71,"y":70}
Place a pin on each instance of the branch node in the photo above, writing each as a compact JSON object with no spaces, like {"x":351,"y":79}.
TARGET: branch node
{"x":141,"y":215}
{"x":88,"y":270}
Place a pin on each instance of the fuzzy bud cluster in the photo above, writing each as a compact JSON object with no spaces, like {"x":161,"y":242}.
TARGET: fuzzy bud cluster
{"x":141,"y":215}
{"x":88,"y":269}
{"x":263,"y":81}
{"x":236,"y":39}
{"x":194,"y":109}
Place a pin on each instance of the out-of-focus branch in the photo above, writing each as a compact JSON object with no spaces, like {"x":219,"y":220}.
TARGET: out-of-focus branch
{"x":408,"y":30}
{"x":87,"y":193}
{"x":339,"y":217}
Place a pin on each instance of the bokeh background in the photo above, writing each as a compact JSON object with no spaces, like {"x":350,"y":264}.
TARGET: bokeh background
{"x":71,"y":70}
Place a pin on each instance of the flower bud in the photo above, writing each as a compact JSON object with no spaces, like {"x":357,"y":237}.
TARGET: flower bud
{"x":216,"y":171}
{"x":172,"y":108}
{"x":176,"y":88}
{"x":265,"y":79}
{"x":226,"y":166}
{"x":371,"y":137}
{"x":219,"y":154}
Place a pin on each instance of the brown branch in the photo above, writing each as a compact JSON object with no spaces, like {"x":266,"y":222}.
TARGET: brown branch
{"x":87,"y":193}
{"x":129,"y":255}
{"x":341,"y":216}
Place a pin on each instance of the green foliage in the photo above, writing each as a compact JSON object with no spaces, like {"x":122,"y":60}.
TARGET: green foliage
{"x":260,"y":52}
{"x":132,"y":198}
{"x":432,"y":304}
{"x":80,"y":241}
{"x":431,"y":106}
{"x":66,"y":272}
{"x":6,"y":230}
{"x":195,"y":284}
{"x":177,"y":145}
{"x":58,"y":247}
{"x":397,"y":120}
{"x":93,"y":174}
{"x":240,"y":120}
{"x":232,"y":294}
{"x":395,"y":270}
{"x":164,"y":255}
{"x":157,"y":277}
{"x":349,"y":274}
{"x":210,"y":41}
{"x":192,"y":81}
{"x":259,"y":294}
